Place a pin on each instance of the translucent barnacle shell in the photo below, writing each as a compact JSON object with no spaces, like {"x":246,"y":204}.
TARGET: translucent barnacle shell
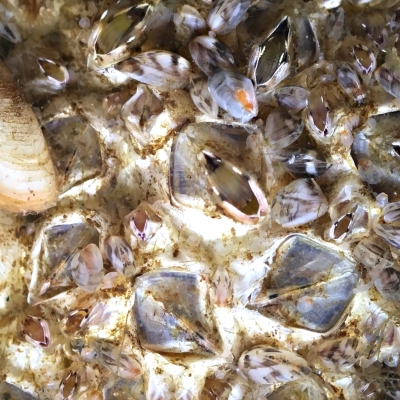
{"x":268,"y":365}
{"x":119,"y":253}
{"x":215,"y":389}
{"x":75,"y":150}
{"x":157,"y":68}
{"x":140,"y":114}
{"x":335,"y":23}
{"x":350,"y":82}
{"x":335,"y":355}
{"x":389,"y":79}
{"x":319,"y":115}
{"x":234,"y":93}
{"x":388,"y":284}
{"x":36,"y":331}
{"x":299,"y":390}
{"x":307,"y":46}
{"x":270,"y":61}
{"x":298,"y":203}
{"x":75,"y":320}
{"x":292,"y":98}
{"x":68,"y":385}
{"x":187,"y":21}
{"x":210,"y":54}
{"x":225,"y":15}
{"x":201,"y":96}
{"x":282,"y":129}
{"x":171,"y":313}
{"x":316,"y":295}
{"x":302,"y":163}
{"x":219,"y":179}
{"x":222,"y":287}
{"x":364,"y":62}
{"x":143,"y":223}
{"x":120,"y":28}
{"x":86,"y":267}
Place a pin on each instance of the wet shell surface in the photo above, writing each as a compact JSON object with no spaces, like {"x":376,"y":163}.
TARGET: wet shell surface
{"x":211,"y":202}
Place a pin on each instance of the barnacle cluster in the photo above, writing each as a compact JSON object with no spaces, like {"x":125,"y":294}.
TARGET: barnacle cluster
{"x":200,"y":199}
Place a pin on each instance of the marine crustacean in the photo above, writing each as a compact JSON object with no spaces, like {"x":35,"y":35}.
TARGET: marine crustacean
{"x":201,"y":199}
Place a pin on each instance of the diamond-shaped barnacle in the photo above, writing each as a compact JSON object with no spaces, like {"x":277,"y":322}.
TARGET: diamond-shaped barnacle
{"x":74,"y":149}
{"x":65,"y":254}
{"x":212,"y":167}
{"x":310,"y":285}
{"x":120,"y":28}
{"x":172,"y":313}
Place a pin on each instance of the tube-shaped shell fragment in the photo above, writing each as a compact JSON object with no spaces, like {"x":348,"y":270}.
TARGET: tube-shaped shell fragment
{"x":27,"y":175}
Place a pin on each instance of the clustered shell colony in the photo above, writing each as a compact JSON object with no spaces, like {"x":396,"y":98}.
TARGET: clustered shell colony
{"x":284,"y":139}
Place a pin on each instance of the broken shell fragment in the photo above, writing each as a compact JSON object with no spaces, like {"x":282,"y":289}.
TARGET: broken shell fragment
{"x":267,"y":365}
{"x":201,"y":96}
{"x":68,"y":385}
{"x":269,"y":61}
{"x":210,"y":54}
{"x":36,"y":331}
{"x":86,"y":267}
{"x":171,"y":313}
{"x":312,"y":293}
{"x":143,"y":223}
{"x":28,"y":180}
{"x":120,"y":28}
{"x":225,"y":15}
{"x":119,"y":253}
{"x":298,"y":203}
{"x":236,"y":192}
{"x":234,"y":93}
{"x":282,"y":129}
{"x":157,"y":68}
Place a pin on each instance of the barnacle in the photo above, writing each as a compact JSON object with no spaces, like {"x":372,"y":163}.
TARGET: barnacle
{"x":210,"y":209}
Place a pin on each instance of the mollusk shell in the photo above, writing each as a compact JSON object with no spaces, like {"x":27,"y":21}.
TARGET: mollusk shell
{"x":28,"y":180}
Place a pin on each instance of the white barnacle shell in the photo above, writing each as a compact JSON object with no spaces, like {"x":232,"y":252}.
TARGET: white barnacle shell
{"x":225,"y":15}
{"x":157,"y":68}
{"x":282,"y":129}
{"x":120,"y":255}
{"x":364,"y":62}
{"x":389,"y":79}
{"x":210,"y":54}
{"x":298,"y":203}
{"x":201,"y":96}
{"x":236,"y":192}
{"x":350,"y":82}
{"x":221,"y":287}
{"x":188,"y":18}
{"x":268,"y":365}
{"x":140,"y":114}
{"x":86,"y":267}
{"x":234,"y":93}
{"x":269,"y":61}
{"x":36,"y":331}
{"x":391,"y":213}
{"x":373,"y":252}
{"x":388,"y":284}
{"x":28,"y":180}
{"x":143,"y":223}
{"x":337,"y":355}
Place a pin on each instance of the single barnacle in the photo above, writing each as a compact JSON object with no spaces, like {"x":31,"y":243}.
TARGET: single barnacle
{"x":36,"y":331}
{"x":350,"y":82}
{"x":201,"y":96}
{"x":292,"y":98}
{"x":234,"y":93}
{"x":68,"y":385}
{"x":298,"y":203}
{"x":119,"y":253}
{"x":210,"y":54}
{"x":270,"y":60}
{"x":157,"y":68}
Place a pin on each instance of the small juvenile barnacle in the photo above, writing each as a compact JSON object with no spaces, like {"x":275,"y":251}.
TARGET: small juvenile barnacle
{"x":68,"y":385}
{"x":119,"y":253}
{"x":36,"y":331}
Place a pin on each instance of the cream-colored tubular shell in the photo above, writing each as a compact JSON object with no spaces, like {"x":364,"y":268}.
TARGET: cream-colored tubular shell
{"x":28,"y":180}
